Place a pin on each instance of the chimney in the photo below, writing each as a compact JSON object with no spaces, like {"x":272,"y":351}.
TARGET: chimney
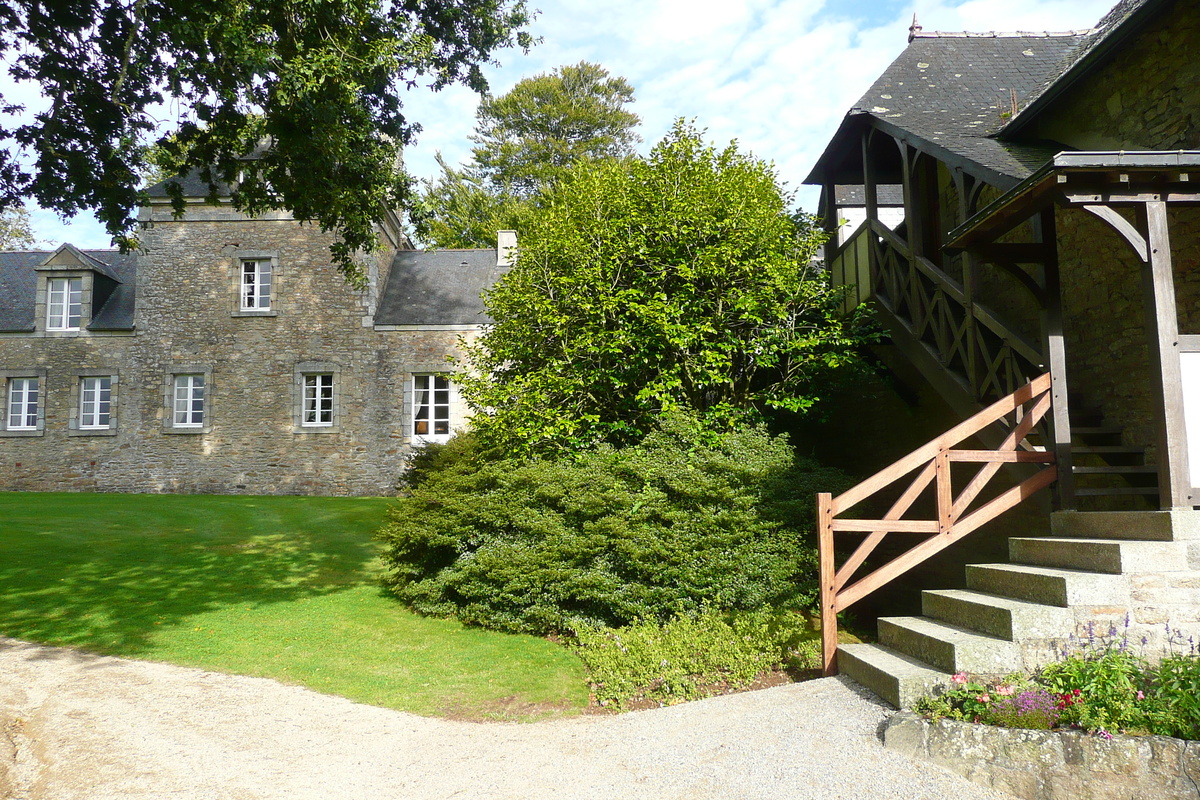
{"x":506,"y":242}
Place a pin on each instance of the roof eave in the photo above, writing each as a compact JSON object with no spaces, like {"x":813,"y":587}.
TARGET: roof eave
{"x":1029,"y":191}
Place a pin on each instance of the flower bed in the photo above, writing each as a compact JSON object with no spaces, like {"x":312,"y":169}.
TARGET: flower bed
{"x":1061,"y":733}
{"x":1103,"y":689}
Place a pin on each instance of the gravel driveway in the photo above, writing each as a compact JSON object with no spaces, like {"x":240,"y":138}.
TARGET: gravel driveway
{"x":81,"y":726}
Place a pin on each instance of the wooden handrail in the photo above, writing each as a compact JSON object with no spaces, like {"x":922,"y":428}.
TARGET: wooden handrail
{"x":952,"y":521}
{"x":956,"y":292}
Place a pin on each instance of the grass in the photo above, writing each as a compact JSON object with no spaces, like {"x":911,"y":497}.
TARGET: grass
{"x":279,"y":587}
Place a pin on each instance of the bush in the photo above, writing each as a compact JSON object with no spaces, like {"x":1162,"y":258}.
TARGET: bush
{"x":684,"y":520}
{"x":692,"y":655}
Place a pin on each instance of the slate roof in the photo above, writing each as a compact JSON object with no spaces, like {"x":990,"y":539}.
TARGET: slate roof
{"x":1114,"y":25}
{"x":950,"y":92}
{"x":886,"y":194}
{"x":193,"y":186}
{"x":438,"y":287}
{"x":18,"y":287}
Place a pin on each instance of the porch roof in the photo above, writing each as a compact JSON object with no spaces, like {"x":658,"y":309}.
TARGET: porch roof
{"x":1096,"y":177}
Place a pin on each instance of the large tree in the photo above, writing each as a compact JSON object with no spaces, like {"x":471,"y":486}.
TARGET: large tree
{"x":642,"y":285}
{"x":321,"y":83}
{"x":16,"y":230}
{"x":524,"y":139}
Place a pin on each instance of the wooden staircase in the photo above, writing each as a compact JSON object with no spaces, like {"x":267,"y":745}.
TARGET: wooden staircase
{"x":1012,"y":616}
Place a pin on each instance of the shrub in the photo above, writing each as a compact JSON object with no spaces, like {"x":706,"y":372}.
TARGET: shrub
{"x":685,"y":519}
{"x":692,"y":655}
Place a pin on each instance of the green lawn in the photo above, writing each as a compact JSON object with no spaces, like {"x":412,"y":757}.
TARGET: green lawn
{"x":281,"y":587}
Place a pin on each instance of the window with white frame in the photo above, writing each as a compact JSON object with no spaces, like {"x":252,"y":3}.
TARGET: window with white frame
{"x":64,"y":304}
{"x":95,"y":403}
{"x":188,"y":401}
{"x":431,"y":407}
{"x":256,"y":284}
{"x":318,"y":400}
{"x":23,"y":398}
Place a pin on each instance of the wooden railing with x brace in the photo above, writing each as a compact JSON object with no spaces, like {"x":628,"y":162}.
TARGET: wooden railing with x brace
{"x":955,"y":517}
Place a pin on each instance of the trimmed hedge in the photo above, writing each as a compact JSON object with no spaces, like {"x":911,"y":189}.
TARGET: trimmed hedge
{"x":683,"y":520}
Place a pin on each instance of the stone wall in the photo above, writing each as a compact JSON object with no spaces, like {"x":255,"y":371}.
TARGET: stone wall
{"x":188,"y":320}
{"x":1146,"y":98}
{"x":1108,"y":357}
{"x":1051,"y":765}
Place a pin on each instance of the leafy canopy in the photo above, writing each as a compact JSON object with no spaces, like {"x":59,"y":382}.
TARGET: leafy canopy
{"x":16,"y":231}
{"x":525,"y":139}
{"x":644,"y":285}
{"x":321,"y":81}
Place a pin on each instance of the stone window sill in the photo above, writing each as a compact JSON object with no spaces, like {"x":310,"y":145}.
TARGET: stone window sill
{"x":188,"y":431}
{"x":112,"y":431}
{"x":20,"y":434}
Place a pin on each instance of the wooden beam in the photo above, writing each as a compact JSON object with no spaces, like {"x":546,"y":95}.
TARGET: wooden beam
{"x":898,"y":509}
{"x":1007,"y":447}
{"x":947,"y":440}
{"x":1121,"y":226}
{"x":1002,"y":456}
{"x":1131,"y":198}
{"x":829,"y":196}
{"x":828,"y":589}
{"x":936,"y":544}
{"x":889,"y":525}
{"x":1162,"y":326}
{"x":1056,"y":357}
{"x":1036,"y":291}
{"x":1015,"y":252}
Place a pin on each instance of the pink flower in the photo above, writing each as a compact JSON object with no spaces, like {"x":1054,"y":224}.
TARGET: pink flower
{"x":1141,"y":696}
{"x":958,"y":677}
{"x":984,"y":698}
{"x":1004,"y":690}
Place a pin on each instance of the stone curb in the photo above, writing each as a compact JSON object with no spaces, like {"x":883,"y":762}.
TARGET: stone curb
{"x":1051,"y":765}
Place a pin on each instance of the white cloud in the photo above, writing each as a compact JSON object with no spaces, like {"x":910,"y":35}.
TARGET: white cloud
{"x":777,"y":75}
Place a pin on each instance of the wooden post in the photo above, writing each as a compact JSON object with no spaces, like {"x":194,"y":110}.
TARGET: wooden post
{"x":828,"y":584}
{"x":872,"y":201}
{"x":1056,"y":363}
{"x":963,"y":185}
{"x":830,"y":217}
{"x":1162,"y":327}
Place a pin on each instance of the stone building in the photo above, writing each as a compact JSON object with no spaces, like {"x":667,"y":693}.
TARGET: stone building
{"x":229,"y":355}
{"x":1048,"y":262}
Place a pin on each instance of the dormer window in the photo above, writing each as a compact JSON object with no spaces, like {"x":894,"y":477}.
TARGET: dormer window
{"x":64,"y":304}
{"x":256,"y":284}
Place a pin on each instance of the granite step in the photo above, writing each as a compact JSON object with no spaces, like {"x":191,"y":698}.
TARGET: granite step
{"x":1003,"y":617}
{"x":949,"y":647}
{"x":1158,"y":526}
{"x":1050,"y":586}
{"x":1110,"y":556}
{"x":899,"y":679}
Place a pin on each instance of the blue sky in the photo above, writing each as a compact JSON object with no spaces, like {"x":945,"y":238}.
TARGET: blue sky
{"x":777,"y":75}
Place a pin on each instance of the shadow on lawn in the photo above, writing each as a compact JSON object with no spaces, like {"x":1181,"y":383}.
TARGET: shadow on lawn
{"x":104,"y":572}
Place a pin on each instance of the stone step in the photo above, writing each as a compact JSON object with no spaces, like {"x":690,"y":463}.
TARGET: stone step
{"x":948,"y":647}
{"x":1111,"y":556}
{"x":897,"y":678}
{"x":1048,"y":585}
{"x":1131,"y":469}
{"x":1159,"y":526}
{"x":1002,"y":617}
